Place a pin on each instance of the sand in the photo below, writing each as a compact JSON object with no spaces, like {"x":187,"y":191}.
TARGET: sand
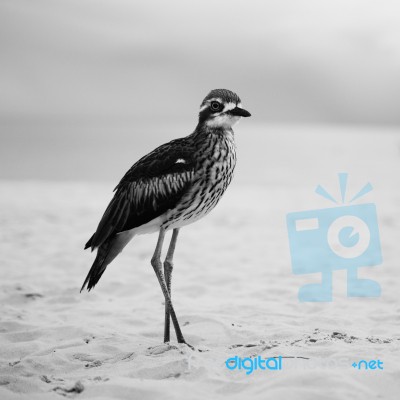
{"x":233,"y":288}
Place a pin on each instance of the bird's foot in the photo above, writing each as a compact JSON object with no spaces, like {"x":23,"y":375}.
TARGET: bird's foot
{"x":165,"y":347}
{"x":187,"y":344}
{"x":181,"y":339}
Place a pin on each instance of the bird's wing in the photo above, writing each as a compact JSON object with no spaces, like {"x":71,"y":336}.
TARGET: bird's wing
{"x":152,"y":186}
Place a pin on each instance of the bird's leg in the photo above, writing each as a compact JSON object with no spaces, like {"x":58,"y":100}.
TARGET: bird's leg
{"x":168,"y":266}
{"x":157,"y":265}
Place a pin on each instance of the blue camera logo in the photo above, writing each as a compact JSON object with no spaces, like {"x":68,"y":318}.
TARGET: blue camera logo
{"x":337,"y":238}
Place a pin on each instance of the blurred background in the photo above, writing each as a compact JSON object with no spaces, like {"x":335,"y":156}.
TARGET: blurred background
{"x":87,"y":87}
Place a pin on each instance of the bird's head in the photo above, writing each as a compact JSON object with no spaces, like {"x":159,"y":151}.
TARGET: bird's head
{"x":221,"y":108}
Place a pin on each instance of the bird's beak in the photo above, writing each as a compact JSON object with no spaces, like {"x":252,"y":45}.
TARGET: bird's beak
{"x":240,"y":112}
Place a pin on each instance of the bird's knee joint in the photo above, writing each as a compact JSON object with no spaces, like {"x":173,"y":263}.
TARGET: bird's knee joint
{"x":168,"y":265}
{"x":156,"y":263}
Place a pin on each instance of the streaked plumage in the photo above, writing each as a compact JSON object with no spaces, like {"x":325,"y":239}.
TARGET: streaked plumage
{"x":174,"y":185}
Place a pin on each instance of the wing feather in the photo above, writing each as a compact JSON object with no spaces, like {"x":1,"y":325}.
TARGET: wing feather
{"x":152,"y":186}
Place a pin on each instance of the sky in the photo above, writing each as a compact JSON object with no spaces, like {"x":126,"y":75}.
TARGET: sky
{"x":291,"y":61}
{"x":89,"y":86}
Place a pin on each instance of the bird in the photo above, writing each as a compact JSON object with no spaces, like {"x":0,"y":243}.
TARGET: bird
{"x":175,"y":185}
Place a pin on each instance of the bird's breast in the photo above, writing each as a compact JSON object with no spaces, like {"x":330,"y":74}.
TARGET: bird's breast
{"x":216,"y":160}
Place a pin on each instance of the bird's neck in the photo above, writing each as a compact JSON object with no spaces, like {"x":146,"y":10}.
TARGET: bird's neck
{"x":203,"y":131}
{"x":209,"y":138}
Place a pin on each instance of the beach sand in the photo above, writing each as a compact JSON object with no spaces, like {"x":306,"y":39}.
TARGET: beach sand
{"x":233,"y":288}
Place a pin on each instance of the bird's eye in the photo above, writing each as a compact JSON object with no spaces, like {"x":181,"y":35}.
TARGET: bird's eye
{"x":215,"y":106}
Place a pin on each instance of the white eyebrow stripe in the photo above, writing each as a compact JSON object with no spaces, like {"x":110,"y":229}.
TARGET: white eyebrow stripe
{"x":215,"y":99}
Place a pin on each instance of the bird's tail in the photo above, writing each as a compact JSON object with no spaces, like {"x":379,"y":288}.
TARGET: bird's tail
{"x":105,"y":254}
